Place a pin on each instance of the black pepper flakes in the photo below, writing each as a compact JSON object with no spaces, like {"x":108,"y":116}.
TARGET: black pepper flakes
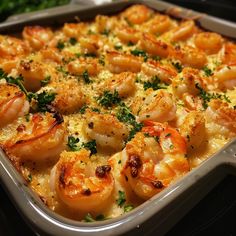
{"x":157,"y":184}
{"x":91,"y":125}
{"x":86,"y":192}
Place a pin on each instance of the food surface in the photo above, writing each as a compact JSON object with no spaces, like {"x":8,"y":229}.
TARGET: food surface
{"x":100,"y":116}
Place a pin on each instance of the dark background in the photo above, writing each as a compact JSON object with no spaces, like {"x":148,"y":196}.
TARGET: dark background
{"x":214,"y":215}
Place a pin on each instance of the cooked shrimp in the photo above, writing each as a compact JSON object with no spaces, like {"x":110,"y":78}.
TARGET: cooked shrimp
{"x":165,"y":72}
{"x":13,"y":104}
{"x":74,"y":29}
{"x":105,"y":129}
{"x":209,"y":42}
{"x":90,"y":43}
{"x":123,"y":83}
{"x":79,"y":66}
{"x":158,"y":24}
{"x":137,"y":14}
{"x":51,"y":55}
{"x":185,"y":82}
{"x":127,"y":34}
{"x":154,"y":46}
{"x":190,"y":56}
{"x":183,"y":31}
{"x":226,"y":77}
{"x":193,"y":129}
{"x":37,"y":36}
{"x":150,"y":166}
{"x":33,"y":73}
{"x":229,"y":56}
{"x":118,"y":62}
{"x":221,"y":118}
{"x":69,"y":97}
{"x":11,"y":47}
{"x":42,"y":137}
{"x":158,"y":106}
{"x":80,"y":183}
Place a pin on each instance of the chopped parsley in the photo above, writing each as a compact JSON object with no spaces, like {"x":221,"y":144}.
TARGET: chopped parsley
{"x":91,"y":145}
{"x":128,"y":208}
{"x":178,"y":66}
{"x":72,"y":143}
{"x":72,"y":41}
{"x":60,"y":45}
{"x":206,"y":97}
{"x":140,"y":53}
{"x":29,"y":178}
{"x":83,"y":109}
{"x":86,"y":78}
{"x":208,"y":72}
{"x":109,"y":99}
{"x":88,"y":218}
{"x":105,"y":32}
{"x":89,"y":54}
{"x":45,"y":81}
{"x":101,"y":60}
{"x":121,"y":199}
{"x":118,"y":47}
{"x":124,"y":115}
{"x":43,"y":99}
{"x":155,"y":84}
{"x":130,"y":44}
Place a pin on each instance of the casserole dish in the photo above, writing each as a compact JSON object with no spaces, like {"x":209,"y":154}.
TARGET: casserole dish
{"x":164,"y":208}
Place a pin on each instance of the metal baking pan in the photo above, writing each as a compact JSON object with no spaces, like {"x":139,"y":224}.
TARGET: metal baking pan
{"x":161,"y":212}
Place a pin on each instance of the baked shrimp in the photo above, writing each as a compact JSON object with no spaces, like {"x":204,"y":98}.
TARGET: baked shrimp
{"x":105,"y":129}
{"x":80,"y":183}
{"x":41,"y":138}
{"x":151,"y":164}
{"x":13,"y":104}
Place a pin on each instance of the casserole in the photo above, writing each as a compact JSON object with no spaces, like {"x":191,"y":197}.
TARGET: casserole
{"x":140,"y":213}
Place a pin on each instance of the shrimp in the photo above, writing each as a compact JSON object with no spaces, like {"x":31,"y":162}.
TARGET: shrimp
{"x":105,"y":23}
{"x":193,"y":129}
{"x":90,"y":44}
{"x":185,"y":82}
{"x":226,"y":77}
{"x":41,"y":138}
{"x":11,"y":48}
{"x":127,"y":34}
{"x":33,"y":73}
{"x":154,"y":46}
{"x":190,"y":56}
{"x":150,"y":166}
{"x":105,"y":129}
{"x":13,"y":104}
{"x":79,"y":66}
{"x":158,"y":106}
{"x":51,"y":55}
{"x":137,"y":14}
{"x":123,"y":83}
{"x":80,"y":183}
{"x":221,"y":118}
{"x":229,"y":56}
{"x":74,"y":29}
{"x":158,"y":24}
{"x":37,"y":36}
{"x":118,"y":62}
{"x":165,"y":72}
{"x":185,"y":30}
{"x":209,"y":42}
{"x":69,"y":97}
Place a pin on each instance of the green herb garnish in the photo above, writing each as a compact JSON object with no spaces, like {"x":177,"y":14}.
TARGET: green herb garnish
{"x":72,"y":143}
{"x":128,"y":208}
{"x":60,"y":45}
{"x":86,"y":78}
{"x":178,"y":66}
{"x":91,"y":145}
{"x":121,"y":199}
{"x":108,"y":99}
{"x":72,"y":41}
{"x":140,"y":53}
{"x":155,"y":84}
{"x":43,"y":99}
{"x":45,"y":81}
{"x":208,"y":72}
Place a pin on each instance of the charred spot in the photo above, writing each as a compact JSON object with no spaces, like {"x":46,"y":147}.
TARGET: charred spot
{"x":101,"y":171}
{"x":90,"y":125}
{"x":43,"y":199}
{"x":21,"y":128}
{"x":177,"y":47}
{"x":157,"y":184}
{"x":134,"y":172}
{"x":86,"y":192}
{"x":62,"y":176}
{"x":135,"y":161}
{"x":164,"y":46}
{"x":126,"y":178}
